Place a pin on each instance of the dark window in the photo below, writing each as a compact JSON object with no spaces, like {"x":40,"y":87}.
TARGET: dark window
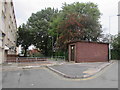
{"x":5,"y":2}
{"x":11,"y":3}
{"x":72,"y":52}
{"x":3,"y":34}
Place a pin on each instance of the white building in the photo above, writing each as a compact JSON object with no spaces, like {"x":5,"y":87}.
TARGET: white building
{"x":8,"y":29}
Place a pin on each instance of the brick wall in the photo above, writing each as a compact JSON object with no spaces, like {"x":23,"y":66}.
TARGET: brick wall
{"x":11,"y":58}
{"x":90,"y":52}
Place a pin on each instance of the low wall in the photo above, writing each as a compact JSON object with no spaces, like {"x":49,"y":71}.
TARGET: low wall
{"x":11,"y":58}
{"x":29,"y":59}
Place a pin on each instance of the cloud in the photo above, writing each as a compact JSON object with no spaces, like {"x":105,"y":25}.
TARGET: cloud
{"x":20,"y":21}
{"x":24,"y":9}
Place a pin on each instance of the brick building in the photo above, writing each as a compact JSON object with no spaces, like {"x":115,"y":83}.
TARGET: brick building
{"x":33,"y":51}
{"x":83,"y":51}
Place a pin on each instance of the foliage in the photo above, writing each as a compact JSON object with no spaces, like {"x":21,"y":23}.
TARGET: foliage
{"x":25,"y":38}
{"x":39,"y":23}
{"x":50,"y":28}
{"x":38,"y":54}
{"x":116,"y":48}
{"x":76,"y":21}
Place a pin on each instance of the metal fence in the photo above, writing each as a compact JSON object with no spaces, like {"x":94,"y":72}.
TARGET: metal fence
{"x":16,"y":59}
{"x":25,"y":59}
{"x":59,"y":57}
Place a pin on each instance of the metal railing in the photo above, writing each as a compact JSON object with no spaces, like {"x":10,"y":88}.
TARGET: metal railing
{"x":59,"y":57}
{"x":32,"y":59}
{"x":26,"y":59}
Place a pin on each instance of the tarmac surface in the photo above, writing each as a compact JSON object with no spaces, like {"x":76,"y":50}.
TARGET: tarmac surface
{"x":79,"y":70}
{"x":42,"y":77}
{"x":66,"y":69}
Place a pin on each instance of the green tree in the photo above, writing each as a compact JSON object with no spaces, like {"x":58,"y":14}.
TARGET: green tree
{"x":25,"y":37}
{"x":116,"y":48}
{"x":77,"y":21}
{"x":40,"y":23}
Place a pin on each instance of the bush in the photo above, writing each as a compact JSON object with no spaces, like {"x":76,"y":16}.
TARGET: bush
{"x":62,"y":53}
{"x":37,"y":55}
{"x":115,"y":52}
{"x":115,"y":55}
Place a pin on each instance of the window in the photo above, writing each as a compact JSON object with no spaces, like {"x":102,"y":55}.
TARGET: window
{"x":9,"y":26}
{"x":4,"y":7}
{"x":11,"y":3}
{"x":2,"y":39}
{"x":5,"y":2}
{"x":3,"y":35}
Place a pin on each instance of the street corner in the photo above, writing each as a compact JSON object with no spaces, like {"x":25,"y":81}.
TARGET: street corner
{"x":78,"y":71}
{"x":93,"y":71}
{"x":68,"y":75}
{"x":90,"y":72}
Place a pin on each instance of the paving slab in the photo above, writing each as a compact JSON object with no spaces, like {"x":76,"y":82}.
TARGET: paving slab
{"x":79,"y":70}
{"x":29,"y":65}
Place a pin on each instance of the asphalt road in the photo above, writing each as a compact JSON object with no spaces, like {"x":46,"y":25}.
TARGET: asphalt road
{"x":44,"y":78}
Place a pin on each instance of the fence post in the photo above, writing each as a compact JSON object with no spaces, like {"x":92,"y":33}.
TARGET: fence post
{"x":16,"y":59}
{"x":36,"y":59}
{"x":56,"y":58}
{"x":64,"y":58}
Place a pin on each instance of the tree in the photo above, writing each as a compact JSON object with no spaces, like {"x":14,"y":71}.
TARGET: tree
{"x":69,"y":29}
{"x":40,"y":23}
{"x":116,"y":48}
{"x":50,"y":27}
{"x":77,"y":21}
{"x":25,"y":37}
{"x":107,"y":38}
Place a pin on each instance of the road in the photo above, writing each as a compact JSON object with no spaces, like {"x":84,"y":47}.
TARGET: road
{"x":44,"y":78}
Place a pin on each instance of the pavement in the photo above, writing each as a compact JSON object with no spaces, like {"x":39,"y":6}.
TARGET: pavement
{"x":30,"y":65}
{"x":79,"y":70}
{"x":66,"y":69}
{"x":45,"y":78}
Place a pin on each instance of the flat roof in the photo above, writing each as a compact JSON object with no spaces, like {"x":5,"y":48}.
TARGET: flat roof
{"x":75,"y":41}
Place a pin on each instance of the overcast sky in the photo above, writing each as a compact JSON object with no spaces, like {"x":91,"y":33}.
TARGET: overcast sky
{"x":108,"y":8}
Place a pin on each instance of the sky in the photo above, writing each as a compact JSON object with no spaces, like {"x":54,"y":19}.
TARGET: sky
{"x":108,"y":9}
